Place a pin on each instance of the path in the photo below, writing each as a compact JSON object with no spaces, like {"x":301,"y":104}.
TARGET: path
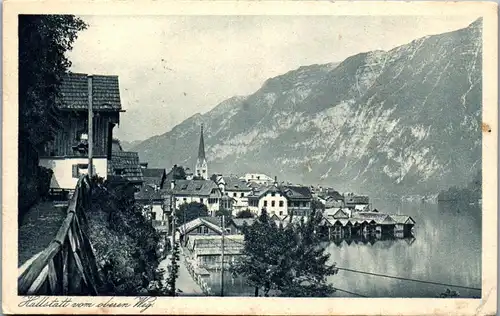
{"x":37,"y":229}
{"x":184,"y":282}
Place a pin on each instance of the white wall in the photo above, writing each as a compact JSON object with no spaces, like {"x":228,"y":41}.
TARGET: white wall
{"x":158,"y":210}
{"x":63,"y":170}
{"x":276,"y":209}
{"x":241,"y":202}
{"x":258,"y":178}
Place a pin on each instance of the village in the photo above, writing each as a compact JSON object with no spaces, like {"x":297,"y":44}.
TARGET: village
{"x":225,"y":202}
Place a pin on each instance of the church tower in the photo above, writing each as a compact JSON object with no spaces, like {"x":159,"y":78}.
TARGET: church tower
{"x":201,"y":168}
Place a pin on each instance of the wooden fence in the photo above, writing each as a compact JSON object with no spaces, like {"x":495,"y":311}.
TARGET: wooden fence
{"x":68,"y":265}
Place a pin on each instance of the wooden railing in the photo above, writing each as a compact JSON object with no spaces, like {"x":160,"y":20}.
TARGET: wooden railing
{"x":68,"y":265}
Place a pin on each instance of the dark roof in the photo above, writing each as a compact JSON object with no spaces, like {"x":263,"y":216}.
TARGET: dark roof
{"x":297,"y":192}
{"x":201,"y":149}
{"x":148,"y":193}
{"x":153,"y":173}
{"x":154,"y":176}
{"x":128,"y":163}
{"x":105,"y":92}
{"x":194,"y":187}
{"x":263,"y":191}
{"x":236,"y":184}
{"x":334,"y":195}
{"x":239,"y":222}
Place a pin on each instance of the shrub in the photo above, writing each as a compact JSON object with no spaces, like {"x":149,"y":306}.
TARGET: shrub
{"x":125,"y":242}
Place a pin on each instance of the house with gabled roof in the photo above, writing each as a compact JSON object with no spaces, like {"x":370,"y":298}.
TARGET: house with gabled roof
{"x":234,"y":188}
{"x":154,"y":176}
{"x":67,"y":153}
{"x":125,"y":165}
{"x":236,"y":225}
{"x":281,"y":200}
{"x":270,"y":198}
{"x":200,"y":191}
{"x":345,"y":222}
{"x":151,"y":199}
{"x":201,"y":226}
{"x":298,"y":199}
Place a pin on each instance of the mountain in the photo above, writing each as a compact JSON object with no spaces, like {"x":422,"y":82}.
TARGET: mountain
{"x":404,"y":121}
{"x":469,"y":194}
{"x":127,"y":145}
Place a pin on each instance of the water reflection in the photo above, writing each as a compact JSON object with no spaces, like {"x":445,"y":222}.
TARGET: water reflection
{"x":446,"y":248}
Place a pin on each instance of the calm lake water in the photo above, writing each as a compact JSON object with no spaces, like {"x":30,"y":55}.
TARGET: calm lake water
{"x":446,"y":249}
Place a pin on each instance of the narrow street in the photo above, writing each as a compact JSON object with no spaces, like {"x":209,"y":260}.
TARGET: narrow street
{"x":184,"y":283}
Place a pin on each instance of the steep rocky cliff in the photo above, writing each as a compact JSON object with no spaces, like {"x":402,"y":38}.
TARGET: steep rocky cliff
{"x":404,"y":121}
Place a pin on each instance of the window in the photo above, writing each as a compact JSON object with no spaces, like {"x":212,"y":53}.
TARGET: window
{"x":201,"y":200}
{"x":281,"y":204}
{"x":153,"y":215}
{"x":185,"y":199}
{"x":235,"y":194}
{"x":289,"y":204}
{"x":304,"y":204}
{"x":272,"y":203}
{"x":242,"y":194}
{"x":205,"y":230}
{"x":265,"y":203}
{"x":81,"y":169}
{"x":281,"y":212}
{"x":273,"y":194}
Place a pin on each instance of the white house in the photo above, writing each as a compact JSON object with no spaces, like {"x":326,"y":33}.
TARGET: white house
{"x":258,"y":178}
{"x":271,"y":199}
{"x":200,"y":191}
{"x":67,"y":154}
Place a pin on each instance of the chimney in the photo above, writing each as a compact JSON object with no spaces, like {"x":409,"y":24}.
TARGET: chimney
{"x":275,"y":181}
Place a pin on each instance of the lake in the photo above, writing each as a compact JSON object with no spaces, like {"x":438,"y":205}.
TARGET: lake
{"x":446,"y":249}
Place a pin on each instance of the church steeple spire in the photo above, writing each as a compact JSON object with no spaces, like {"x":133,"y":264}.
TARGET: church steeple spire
{"x":201,"y":168}
{"x":201,"y":148}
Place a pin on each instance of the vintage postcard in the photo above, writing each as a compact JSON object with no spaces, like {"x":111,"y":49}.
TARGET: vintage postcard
{"x":250,"y":158}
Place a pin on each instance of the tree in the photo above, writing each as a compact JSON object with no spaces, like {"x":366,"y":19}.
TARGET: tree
{"x":173,"y":272}
{"x":179,"y":173}
{"x":189,"y":211}
{"x":289,"y":260}
{"x":224,"y":212}
{"x":43,"y":42}
{"x":244,"y":214}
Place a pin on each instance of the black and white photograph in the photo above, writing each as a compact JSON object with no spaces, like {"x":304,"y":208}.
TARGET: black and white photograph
{"x":259,"y":156}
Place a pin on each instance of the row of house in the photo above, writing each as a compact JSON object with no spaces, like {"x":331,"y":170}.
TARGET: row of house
{"x":202,"y":236}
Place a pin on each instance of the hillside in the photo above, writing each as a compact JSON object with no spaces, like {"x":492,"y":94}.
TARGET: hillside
{"x":404,"y":121}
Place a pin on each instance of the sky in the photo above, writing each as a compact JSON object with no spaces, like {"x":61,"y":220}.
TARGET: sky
{"x":172,"y":67}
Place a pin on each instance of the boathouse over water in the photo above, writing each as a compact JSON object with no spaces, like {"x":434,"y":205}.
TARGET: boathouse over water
{"x":346,"y":223}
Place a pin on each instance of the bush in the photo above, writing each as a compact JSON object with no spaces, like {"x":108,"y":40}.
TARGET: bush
{"x":125,"y":242}
{"x":244,"y":214}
